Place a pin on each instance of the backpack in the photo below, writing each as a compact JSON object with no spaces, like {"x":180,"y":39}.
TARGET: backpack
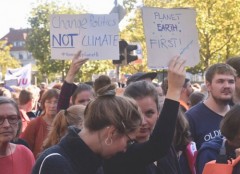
{"x":222,"y":165}
{"x":191,"y":154}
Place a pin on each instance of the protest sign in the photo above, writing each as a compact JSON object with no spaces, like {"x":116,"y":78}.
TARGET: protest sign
{"x":19,"y":76}
{"x":170,"y":32}
{"x":95,"y":35}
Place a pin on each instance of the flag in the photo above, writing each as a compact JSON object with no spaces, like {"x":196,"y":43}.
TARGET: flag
{"x":21,"y":75}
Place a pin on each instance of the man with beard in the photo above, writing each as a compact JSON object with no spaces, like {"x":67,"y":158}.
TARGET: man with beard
{"x":205,"y":117}
{"x":235,"y":63}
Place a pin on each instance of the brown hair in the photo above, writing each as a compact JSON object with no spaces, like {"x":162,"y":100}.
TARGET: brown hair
{"x":235,"y":63}
{"x":101,"y":81}
{"x":229,"y":126}
{"x":50,"y":93}
{"x":72,"y":116}
{"x":195,"y":98}
{"x":219,"y":68}
{"x":6,"y":100}
{"x":25,"y":96}
{"x":141,"y":89}
{"x":81,"y":87}
{"x":109,"y":109}
{"x":182,"y":135}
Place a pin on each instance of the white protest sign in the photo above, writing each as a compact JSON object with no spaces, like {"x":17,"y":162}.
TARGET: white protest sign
{"x":169,"y":33}
{"x":22,"y":75}
{"x":95,"y":35}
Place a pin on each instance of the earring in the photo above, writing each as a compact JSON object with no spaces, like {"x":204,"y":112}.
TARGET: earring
{"x":108,"y":141}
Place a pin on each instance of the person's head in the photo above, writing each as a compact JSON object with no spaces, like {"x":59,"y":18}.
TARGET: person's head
{"x":5,"y":92}
{"x":187,"y":89}
{"x":82,"y":95}
{"x":182,"y":135}
{"x":43,"y":86}
{"x":230,"y":126}
{"x":57,"y":86}
{"x":101,"y":81}
{"x":235,"y":63}
{"x":115,"y":119}
{"x":73,"y":116}
{"x":26,"y":100}
{"x":49,"y":102}
{"x":220,"y":82}
{"x":195,"y":98}
{"x":146,"y":96}
{"x":9,"y":118}
{"x":141,"y":76}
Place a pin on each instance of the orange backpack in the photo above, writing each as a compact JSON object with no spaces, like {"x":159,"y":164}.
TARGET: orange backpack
{"x":224,"y":166}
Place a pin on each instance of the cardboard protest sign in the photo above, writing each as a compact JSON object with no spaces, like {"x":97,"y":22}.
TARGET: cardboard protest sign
{"x":169,"y":33}
{"x":95,"y":35}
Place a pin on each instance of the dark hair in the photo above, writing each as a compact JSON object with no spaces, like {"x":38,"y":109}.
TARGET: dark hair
{"x":81,"y":87}
{"x":141,"y":89}
{"x":164,"y":84}
{"x":196,"y":97}
{"x":25,"y":96}
{"x":235,"y":63}
{"x":182,"y":135}
{"x":50,"y":93}
{"x":6,"y":100}
{"x":108,"y":109}
{"x":219,"y":68}
{"x":101,"y":81}
{"x":230,"y":124}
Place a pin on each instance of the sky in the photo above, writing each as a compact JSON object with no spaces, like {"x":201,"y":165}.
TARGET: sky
{"x":14,"y":13}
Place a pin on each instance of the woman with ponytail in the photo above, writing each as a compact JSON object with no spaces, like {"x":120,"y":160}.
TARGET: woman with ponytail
{"x":73,"y":116}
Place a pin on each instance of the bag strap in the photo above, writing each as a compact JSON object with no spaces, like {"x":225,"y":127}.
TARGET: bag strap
{"x":222,"y":157}
{"x":52,"y":154}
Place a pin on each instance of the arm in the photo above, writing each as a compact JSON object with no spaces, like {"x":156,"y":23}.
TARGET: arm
{"x":69,"y":87}
{"x":162,"y":136}
{"x":29,"y":134}
{"x":66,"y":92}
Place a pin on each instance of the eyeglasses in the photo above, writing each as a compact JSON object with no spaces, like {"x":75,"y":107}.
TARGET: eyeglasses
{"x":130,"y":140}
{"x":12,"y":119}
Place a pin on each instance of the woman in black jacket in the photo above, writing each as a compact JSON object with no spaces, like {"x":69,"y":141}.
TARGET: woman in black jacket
{"x":151,"y":145}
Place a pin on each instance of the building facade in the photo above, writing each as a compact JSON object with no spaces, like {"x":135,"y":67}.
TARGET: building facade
{"x":17,"y":38}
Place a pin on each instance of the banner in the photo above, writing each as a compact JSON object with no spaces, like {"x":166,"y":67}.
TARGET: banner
{"x":21,"y":76}
{"x":169,"y":33}
{"x":95,"y":35}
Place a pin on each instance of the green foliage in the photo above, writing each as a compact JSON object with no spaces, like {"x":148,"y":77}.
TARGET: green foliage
{"x":218,"y":24}
{"x":39,"y":39}
{"x":6,"y":60}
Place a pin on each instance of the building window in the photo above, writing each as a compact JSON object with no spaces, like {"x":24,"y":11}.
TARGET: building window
{"x":20,"y":56}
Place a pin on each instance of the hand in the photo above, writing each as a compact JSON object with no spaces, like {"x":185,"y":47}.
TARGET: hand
{"x":176,"y":78}
{"x":76,"y":64}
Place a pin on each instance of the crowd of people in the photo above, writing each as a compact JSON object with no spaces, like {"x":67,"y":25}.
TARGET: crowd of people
{"x":175,"y":127}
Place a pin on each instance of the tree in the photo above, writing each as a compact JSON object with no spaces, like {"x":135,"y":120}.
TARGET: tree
{"x":218,"y":24}
{"x":38,"y":42}
{"x":6,"y":60}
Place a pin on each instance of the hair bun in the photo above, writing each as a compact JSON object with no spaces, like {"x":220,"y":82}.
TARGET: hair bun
{"x":108,"y":90}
